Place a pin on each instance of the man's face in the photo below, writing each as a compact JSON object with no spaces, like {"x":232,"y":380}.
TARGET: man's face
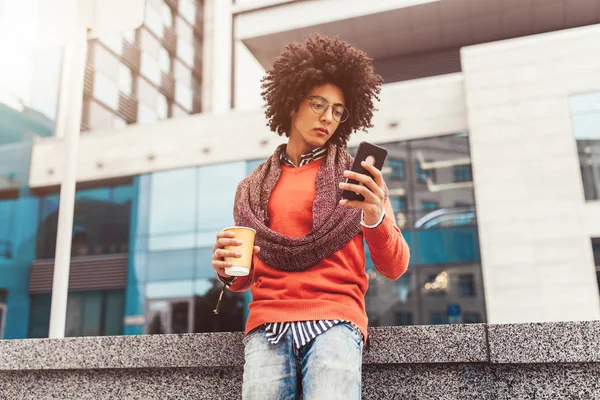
{"x":314,"y":123}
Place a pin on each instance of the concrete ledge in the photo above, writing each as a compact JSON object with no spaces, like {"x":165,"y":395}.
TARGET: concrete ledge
{"x":556,"y":342}
{"x":427,"y":344}
{"x":524,"y":361}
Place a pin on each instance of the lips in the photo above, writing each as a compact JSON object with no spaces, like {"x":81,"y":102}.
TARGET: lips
{"x":322,"y":131}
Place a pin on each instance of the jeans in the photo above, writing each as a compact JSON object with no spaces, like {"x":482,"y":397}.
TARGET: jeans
{"x":329,"y":367}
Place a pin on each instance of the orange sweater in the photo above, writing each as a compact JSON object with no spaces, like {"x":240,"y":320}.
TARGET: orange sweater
{"x":333,"y":289}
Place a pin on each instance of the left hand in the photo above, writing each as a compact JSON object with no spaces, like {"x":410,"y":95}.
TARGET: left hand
{"x":372,"y":190}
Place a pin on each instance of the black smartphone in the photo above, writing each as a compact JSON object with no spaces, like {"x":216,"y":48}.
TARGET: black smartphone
{"x":365,"y":150}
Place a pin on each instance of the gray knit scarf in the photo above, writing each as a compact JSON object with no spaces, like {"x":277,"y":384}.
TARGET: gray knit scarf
{"x":333,"y":225}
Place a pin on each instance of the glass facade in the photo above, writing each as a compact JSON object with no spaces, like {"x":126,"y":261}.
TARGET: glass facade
{"x":29,"y":81}
{"x":172,"y":288}
{"x":147,"y":75}
{"x":585,"y":115}
{"x":100,"y":225}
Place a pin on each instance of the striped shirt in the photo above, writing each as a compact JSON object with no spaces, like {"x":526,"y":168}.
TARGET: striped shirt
{"x":305,"y":158}
{"x":303,"y":332}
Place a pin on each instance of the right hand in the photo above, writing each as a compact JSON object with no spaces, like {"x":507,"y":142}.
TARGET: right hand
{"x":226,"y":238}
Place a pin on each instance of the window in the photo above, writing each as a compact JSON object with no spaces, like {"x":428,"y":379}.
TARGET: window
{"x":427,"y":205}
{"x":89,"y":313}
{"x":471,"y":318}
{"x":399,"y":204}
{"x":187,"y":8}
{"x":150,"y":68}
{"x":422,"y":174}
{"x":585,"y":116}
{"x":125,"y":79}
{"x":101,"y":117}
{"x":168,"y":316}
{"x":100,"y":223}
{"x":462,"y":173}
{"x":466,"y":283}
{"x":113,"y":42}
{"x":164,"y":60}
{"x":438,"y":318}
{"x":397,"y":169}
{"x":106,"y":90}
{"x":404,"y":318}
{"x":153,"y":20}
{"x":183,"y":96}
{"x":404,"y":287}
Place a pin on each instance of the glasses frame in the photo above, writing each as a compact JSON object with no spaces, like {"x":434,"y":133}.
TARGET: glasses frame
{"x":347,"y":112}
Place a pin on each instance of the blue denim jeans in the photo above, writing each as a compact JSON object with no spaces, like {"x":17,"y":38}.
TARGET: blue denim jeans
{"x":329,"y":367}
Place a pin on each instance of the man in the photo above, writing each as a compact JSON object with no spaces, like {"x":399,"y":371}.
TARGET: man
{"x":307,"y":321}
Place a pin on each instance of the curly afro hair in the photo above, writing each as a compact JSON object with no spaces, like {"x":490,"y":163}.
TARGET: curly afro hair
{"x":321,"y":60}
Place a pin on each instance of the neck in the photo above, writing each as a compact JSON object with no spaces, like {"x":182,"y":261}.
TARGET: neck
{"x":294,"y":150}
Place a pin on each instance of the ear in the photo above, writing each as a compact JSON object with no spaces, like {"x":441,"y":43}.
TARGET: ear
{"x":293,"y":113}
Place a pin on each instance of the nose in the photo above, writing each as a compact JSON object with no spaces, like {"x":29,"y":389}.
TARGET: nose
{"x":327,"y":116}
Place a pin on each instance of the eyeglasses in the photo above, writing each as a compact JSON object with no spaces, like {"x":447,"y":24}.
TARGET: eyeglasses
{"x":320,"y":105}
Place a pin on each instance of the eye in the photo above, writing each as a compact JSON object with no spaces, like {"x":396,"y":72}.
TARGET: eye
{"x":338,"y":113}
{"x":318,"y":105}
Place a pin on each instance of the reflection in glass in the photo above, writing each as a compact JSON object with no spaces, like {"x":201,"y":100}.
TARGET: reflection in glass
{"x":100,"y":222}
{"x":437,"y":216}
{"x":194,"y":314}
{"x":89,"y":313}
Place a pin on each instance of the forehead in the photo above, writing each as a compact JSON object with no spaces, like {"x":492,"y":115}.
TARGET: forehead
{"x":331,"y":93}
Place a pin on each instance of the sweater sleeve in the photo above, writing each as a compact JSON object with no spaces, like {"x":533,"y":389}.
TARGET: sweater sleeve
{"x":389,"y":250}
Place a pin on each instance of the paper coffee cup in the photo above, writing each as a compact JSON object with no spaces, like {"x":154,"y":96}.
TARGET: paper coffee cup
{"x":241,"y":266}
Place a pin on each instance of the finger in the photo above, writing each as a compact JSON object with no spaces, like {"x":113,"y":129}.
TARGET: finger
{"x":256,"y":249}
{"x":365,"y":180}
{"x":222,"y":253}
{"x":223,"y":242}
{"x":367,"y":194}
{"x":225,"y":234}
{"x":377,"y":175}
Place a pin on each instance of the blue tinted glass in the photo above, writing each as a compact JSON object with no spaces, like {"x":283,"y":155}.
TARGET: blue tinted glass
{"x":91,"y":314}
{"x":170,"y":265}
{"x":204,"y":267}
{"x":134,"y":302}
{"x":169,"y":289}
{"x":429,"y":205}
{"x":397,"y":169}
{"x":39,"y":316}
{"x":587,"y":126}
{"x":89,"y":223}
{"x":143,"y":205}
{"x":216,"y":193}
{"x":6,"y":238}
{"x":46,"y":240}
{"x":173,"y":201}
{"x":113,"y":319}
{"x":441,"y":246}
{"x":138,"y":267}
{"x":171,"y":241}
{"x":585,"y":103}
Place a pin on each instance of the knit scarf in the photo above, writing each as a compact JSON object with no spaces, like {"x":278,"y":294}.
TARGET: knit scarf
{"x":333,"y":225}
